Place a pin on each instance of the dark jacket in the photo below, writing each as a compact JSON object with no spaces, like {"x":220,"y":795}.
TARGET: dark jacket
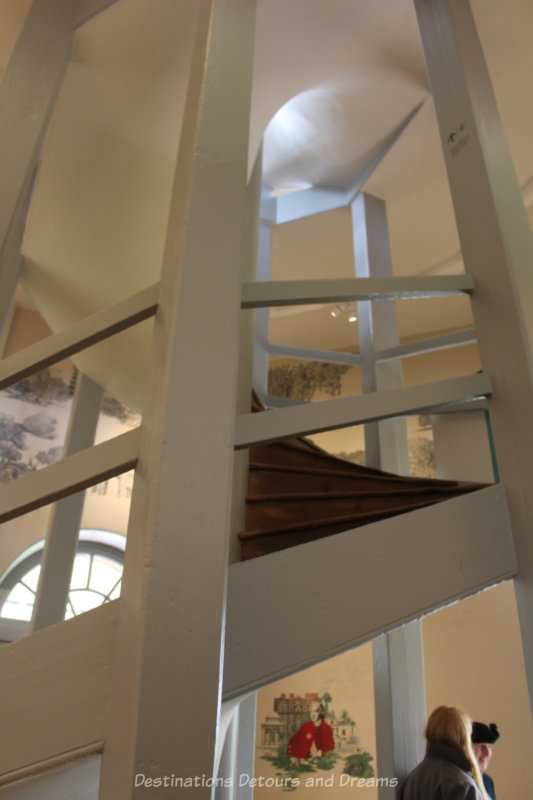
{"x":442,"y":775}
{"x":489,"y":785}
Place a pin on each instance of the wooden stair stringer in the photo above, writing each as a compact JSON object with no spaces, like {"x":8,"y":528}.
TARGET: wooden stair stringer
{"x":292,"y":609}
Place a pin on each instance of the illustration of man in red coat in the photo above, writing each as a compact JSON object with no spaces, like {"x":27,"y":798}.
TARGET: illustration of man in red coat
{"x":314,"y":737}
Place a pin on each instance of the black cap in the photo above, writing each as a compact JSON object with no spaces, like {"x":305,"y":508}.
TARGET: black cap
{"x":484,"y":734}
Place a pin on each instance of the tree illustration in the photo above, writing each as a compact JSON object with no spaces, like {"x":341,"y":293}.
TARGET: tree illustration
{"x":41,"y":425}
{"x":422,"y":457}
{"x":42,"y":388}
{"x":326,"y":700}
{"x":301,"y":380}
{"x":358,"y":765}
{"x":14,"y":441}
{"x":45,"y":457}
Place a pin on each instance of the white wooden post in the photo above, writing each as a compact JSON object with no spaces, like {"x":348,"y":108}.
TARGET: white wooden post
{"x":65,"y":518}
{"x":245,"y":756}
{"x":385,"y":441}
{"x":399,"y":689}
{"x":497,"y":249}
{"x":399,"y":692}
{"x":262,"y":315}
{"x":236,"y":754}
{"x":246,"y":356}
{"x":164,"y":710}
{"x":237,"y":760}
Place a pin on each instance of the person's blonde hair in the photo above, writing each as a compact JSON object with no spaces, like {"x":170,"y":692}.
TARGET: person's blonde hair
{"x":452,"y":726}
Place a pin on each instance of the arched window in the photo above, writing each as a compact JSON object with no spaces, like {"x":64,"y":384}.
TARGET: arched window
{"x":96,"y":577}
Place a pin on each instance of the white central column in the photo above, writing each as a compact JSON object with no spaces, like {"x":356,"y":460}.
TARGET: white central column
{"x":399,"y":690}
{"x":163,"y":718}
{"x":385,"y":441}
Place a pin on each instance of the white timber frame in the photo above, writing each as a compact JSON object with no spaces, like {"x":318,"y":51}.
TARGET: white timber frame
{"x":398,"y":654}
{"x":75,"y":681}
{"x":386,"y":440}
{"x":259,"y":614}
{"x":398,"y":659}
{"x":497,"y":248}
{"x":235,"y":753}
{"x":300,"y":420}
{"x":338,"y":290}
{"x":168,"y":661}
{"x":65,"y":518}
{"x":164,"y":642}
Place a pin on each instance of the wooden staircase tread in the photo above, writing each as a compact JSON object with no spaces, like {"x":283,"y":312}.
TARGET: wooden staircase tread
{"x":355,"y":473}
{"x":306,"y":447}
{"x":298,"y":493}
{"x":287,"y":497}
{"x":340,"y":520}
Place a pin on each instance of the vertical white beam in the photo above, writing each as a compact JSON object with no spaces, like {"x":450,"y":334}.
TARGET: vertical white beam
{"x":245,"y":756}
{"x":164,"y":711}
{"x":398,"y":662}
{"x":497,"y":249}
{"x":227,"y":779}
{"x":238,"y":754}
{"x":386,"y":441}
{"x":65,"y":518}
{"x":262,"y":315}
{"x":399,"y":690}
{"x":246,"y":358}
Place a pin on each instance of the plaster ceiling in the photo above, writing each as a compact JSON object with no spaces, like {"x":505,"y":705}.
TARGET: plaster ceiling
{"x":332,"y":80}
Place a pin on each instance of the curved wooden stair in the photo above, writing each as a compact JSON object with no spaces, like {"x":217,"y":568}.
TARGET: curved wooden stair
{"x":298,"y":493}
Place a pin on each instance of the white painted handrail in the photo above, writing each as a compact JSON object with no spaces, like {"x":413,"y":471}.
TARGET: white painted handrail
{"x":340,"y":413}
{"x":429,"y":345}
{"x":70,"y":475}
{"x":88,"y":331}
{"x":261,"y":294}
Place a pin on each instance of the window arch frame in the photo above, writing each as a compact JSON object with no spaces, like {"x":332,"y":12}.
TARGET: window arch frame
{"x":91,"y":541}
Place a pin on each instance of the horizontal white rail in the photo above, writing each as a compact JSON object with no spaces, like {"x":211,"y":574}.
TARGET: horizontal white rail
{"x":459,"y":547}
{"x":262,"y":294}
{"x":306,"y":354}
{"x":259,"y":428}
{"x":82,"y":334}
{"x":70,"y":475}
{"x":429,"y":345}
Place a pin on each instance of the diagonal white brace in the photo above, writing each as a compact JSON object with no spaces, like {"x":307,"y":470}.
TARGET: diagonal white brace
{"x":335,"y":290}
{"x":329,"y":415}
{"x":70,"y":475}
{"x":82,"y":334}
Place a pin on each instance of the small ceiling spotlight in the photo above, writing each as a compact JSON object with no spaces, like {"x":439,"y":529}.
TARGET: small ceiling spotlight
{"x":344,"y":308}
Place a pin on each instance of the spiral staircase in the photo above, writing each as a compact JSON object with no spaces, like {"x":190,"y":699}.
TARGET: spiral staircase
{"x":116,"y":676}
